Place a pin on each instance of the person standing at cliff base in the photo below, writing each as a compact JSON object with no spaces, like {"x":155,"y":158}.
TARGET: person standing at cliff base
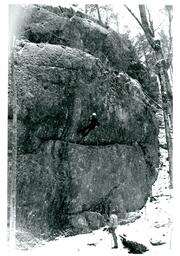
{"x":112,"y":225}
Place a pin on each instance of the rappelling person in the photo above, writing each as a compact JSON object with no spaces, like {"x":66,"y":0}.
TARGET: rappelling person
{"x":92,"y":124}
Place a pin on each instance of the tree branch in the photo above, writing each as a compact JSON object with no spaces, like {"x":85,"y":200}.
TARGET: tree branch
{"x":144,"y":25}
{"x":151,"y":27}
{"x":98,"y":12}
{"x":168,"y":9}
{"x":134,"y":16}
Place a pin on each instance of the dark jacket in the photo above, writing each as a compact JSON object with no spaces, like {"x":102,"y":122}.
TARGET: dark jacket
{"x":93,"y":122}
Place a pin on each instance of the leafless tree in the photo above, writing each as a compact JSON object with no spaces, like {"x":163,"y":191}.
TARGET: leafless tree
{"x":162,"y":71}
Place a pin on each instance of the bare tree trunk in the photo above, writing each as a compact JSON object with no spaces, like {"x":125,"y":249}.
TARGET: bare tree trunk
{"x":168,"y":128}
{"x":166,"y":90}
{"x":171,"y":73}
{"x":165,"y":83}
{"x":145,"y":57}
{"x":86,"y":8}
{"x":169,"y":9}
{"x":170,"y":51}
{"x":12,"y":172}
{"x":117,"y":22}
{"x":98,"y":12}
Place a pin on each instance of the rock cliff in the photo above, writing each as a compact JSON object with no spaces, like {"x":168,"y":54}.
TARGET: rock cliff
{"x":63,"y":73}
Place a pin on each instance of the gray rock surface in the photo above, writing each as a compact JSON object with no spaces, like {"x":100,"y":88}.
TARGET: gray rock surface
{"x":62,"y":177}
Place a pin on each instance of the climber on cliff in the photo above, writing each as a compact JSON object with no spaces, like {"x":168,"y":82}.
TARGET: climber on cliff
{"x":112,"y":225}
{"x":92,"y":124}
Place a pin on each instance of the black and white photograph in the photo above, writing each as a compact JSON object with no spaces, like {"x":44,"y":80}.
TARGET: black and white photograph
{"x":90,"y":167}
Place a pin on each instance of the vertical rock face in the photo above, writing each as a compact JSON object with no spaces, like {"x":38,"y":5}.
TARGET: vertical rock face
{"x":62,"y":177}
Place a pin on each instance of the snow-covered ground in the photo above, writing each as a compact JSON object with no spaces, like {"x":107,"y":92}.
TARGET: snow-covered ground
{"x":155,"y":224}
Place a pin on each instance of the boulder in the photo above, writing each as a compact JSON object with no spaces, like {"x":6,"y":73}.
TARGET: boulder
{"x":64,"y":69}
{"x":59,"y":173}
{"x":79,"y":224}
{"x":95,"y":220}
{"x":42,"y":24}
{"x":59,"y":88}
{"x":63,"y":26}
{"x":77,"y":30}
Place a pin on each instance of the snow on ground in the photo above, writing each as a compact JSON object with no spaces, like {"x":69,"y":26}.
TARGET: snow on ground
{"x":155,"y":223}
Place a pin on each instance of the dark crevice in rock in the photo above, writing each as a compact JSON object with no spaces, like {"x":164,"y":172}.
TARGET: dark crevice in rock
{"x":67,"y":142}
{"x":58,"y":67}
{"x":69,"y":117}
{"x":96,"y":144}
{"x":149,"y":84}
{"x":148,"y":160}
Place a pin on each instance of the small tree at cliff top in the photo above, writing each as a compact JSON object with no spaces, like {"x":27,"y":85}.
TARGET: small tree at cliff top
{"x":104,"y":13}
